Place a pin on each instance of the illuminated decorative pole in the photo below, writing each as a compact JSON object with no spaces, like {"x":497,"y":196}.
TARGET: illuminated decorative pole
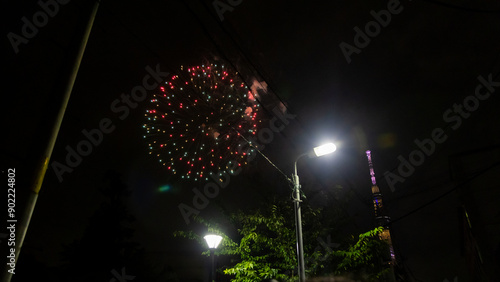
{"x":381,"y":218}
{"x":213,"y":242}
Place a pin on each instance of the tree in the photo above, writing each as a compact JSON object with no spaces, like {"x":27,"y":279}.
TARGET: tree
{"x":266,"y":249}
{"x":265,"y":245}
{"x":362,"y":259}
{"x":106,"y":242}
{"x":106,"y":249}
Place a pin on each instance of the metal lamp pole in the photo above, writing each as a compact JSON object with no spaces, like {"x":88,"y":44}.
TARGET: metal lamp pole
{"x":317,"y":152}
{"x":298,"y":222}
{"x":212,"y":253}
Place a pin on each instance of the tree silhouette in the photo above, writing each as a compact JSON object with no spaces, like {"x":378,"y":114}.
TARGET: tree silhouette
{"x":106,"y":251}
{"x":265,"y":245}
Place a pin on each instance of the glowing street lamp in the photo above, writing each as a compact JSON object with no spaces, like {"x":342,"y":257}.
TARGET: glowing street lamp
{"x":324,"y":149}
{"x":213,"y":242}
{"x":316,"y":152}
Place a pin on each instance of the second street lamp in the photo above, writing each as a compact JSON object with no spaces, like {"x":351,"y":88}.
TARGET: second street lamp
{"x":317,"y":152}
{"x":213,"y":242}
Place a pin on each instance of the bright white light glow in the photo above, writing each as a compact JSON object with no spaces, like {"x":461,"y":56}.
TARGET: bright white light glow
{"x":213,"y":241}
{"x":325,"y":149}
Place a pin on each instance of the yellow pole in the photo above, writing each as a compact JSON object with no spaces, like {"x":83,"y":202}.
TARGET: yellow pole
{"x":43,"y":164}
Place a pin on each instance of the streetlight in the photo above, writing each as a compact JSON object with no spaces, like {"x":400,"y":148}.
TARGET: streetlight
{"x":316,"y":152}
{"x":213,"y":242}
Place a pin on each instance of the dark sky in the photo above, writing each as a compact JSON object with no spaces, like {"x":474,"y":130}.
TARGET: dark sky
{"x":398,"y":86}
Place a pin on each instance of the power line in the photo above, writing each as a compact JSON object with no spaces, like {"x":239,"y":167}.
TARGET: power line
{"x":453,"y":6}
{"x":447,"y":192}
{"x":145,"y":45}
{"x":242,"y":52}
{"x":493,"y":68}
{"x":245,"y":56}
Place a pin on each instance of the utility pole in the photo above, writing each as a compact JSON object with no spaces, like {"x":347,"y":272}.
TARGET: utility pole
{"x":43,"y":163}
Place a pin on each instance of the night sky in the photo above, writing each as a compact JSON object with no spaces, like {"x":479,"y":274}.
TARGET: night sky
{"x":420,"y":84}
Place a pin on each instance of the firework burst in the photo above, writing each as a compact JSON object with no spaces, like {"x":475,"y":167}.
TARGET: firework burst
{"x":195,"y":119}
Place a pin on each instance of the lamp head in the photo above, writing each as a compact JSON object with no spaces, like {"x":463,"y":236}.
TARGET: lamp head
{"x":213,"y":241}
{"x":323,"y":150}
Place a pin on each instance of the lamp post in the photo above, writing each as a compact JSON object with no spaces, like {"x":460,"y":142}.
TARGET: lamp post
{"x":213,"y":242}
{"x":317,"y":152}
